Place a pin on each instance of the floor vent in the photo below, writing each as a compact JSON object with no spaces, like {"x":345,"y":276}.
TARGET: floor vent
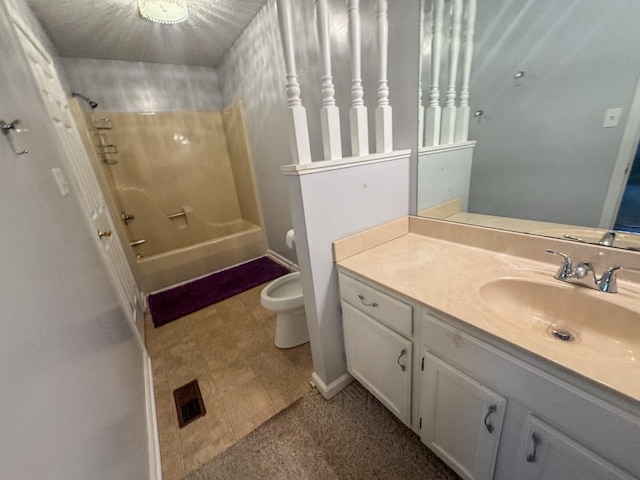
{"x":189,"y":404}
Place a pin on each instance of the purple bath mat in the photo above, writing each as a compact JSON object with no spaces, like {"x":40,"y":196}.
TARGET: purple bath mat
{"x":180,"y":301}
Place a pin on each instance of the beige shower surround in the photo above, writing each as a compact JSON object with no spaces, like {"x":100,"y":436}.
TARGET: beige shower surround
{"x":168,"y":163}
{"x":196,"y":163}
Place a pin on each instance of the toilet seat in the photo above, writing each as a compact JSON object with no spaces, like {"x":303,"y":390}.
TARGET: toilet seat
{"x":283,"y":293}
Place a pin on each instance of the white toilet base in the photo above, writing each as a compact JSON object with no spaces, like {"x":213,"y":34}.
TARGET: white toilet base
{"x":291,"y":329}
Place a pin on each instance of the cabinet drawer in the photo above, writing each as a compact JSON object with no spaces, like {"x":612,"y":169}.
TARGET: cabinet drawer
{"x":387,"y":310}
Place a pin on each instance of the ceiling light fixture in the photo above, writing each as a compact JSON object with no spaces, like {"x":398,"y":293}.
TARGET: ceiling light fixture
{"x":164,"y":11}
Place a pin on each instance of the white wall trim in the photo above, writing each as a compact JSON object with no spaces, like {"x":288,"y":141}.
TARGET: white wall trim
{"x":622,"y":166}
{"x":331,"y":390}
{"x":155,"y":465}
{"x":446,"y":148}
{"x":325,"y":165}
{"x":282,"y":260}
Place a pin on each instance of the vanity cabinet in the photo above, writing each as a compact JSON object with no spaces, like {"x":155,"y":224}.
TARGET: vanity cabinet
{"x":461,"y":419}
{"x":378,"y":344}
{"x":487,"y":408}
{"x":544,"y":428}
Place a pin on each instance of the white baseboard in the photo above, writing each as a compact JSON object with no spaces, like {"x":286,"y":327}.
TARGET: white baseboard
{"x":155,"y":465}
{"x":282,"y":260}
{"x":329,"y":391}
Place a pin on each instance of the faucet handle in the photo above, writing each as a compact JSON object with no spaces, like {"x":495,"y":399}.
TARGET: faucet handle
{"x":608,"y":283}
{"x":571,"y":237}
{"x":565,"y":271}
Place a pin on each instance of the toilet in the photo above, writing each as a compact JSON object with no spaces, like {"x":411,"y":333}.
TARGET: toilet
{"x":284,"y":296}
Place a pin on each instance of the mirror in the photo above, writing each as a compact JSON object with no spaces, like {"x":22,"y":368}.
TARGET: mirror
{"x":555,"y":112}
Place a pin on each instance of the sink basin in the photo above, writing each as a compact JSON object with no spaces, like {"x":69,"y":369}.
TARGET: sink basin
{"x":577,"y":315}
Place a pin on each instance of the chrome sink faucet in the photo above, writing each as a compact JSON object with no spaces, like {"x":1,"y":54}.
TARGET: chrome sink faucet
{"x":606,"y":240}
{"x":580,"y":274}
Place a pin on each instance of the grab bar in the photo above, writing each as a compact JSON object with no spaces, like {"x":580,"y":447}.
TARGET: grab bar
{"x":137,"y":243}
{"x":176,"y":215}
{"x":106,"y":146}
{"x":103,"y":151}
{"x":102,"y":123}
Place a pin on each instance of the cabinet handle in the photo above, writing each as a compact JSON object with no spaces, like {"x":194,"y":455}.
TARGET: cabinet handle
{"x":402,"y":353}
{"x":490,"y":410}
{"x":536,"y":441}
{"x":374,"y":304}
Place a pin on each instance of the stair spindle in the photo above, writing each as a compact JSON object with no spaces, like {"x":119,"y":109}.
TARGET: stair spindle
{"x":329,"y":113}
{"x":384,"y":125}
{"x":449,"y":112}
{"x":463,"y":114}
{"x":357,"y":112}
{"x":434,"y":111}
{"x":298,"y":129}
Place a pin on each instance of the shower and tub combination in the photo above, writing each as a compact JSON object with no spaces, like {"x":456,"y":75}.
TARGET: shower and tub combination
{"x":183,"y":187}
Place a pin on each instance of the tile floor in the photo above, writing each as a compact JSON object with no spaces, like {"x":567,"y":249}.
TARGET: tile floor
{"x":244,"y":379}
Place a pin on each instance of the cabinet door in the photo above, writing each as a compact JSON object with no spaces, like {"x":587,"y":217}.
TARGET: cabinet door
{"x":461,"y":419}
{"x":380,"y":359}
{"x":548,"y":454}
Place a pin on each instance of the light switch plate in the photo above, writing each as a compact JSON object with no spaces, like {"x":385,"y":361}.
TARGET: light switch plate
{"x":612,"y":117}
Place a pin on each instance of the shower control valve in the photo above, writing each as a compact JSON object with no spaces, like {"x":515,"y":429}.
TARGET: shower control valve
{"x":126,"y":218}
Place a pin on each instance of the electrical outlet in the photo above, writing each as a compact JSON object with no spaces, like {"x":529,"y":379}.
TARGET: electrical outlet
{"x":612,"y":117}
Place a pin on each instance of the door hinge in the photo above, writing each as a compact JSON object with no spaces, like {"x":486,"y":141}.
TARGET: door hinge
{"x":422,"y":364}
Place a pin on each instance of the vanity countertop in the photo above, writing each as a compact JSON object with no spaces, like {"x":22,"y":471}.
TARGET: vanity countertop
{"x":447,"y":276}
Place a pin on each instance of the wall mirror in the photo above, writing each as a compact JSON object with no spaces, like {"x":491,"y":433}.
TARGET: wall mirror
{"x":555,"y":112}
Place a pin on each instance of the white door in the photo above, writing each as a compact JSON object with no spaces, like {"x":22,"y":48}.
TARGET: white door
{"x":71,"y":145}
{"x":380,"y":359}
{"x":461,"y":419}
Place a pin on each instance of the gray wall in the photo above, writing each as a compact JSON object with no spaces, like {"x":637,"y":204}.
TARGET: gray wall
{"x":120,"y":86}
{"x":254,"y":70}
{"x":73,"y":400}
{"x":542,"y":152}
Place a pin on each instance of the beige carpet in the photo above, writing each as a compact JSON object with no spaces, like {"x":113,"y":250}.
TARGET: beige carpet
{"x":351,"y":436}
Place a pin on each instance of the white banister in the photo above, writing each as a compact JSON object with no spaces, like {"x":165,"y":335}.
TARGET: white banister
{"x":463,"y":115}
{"x":449,"y":112}
{"x":384,"y":124}
{"x":426,"y":33}
{"x":357,"y":112}
{"x":329,"y":114}
{"x":433,"y":115}
{"x":298,"y":129}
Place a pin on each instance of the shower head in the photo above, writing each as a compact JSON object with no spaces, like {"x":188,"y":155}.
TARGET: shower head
{"x":91,"y":103}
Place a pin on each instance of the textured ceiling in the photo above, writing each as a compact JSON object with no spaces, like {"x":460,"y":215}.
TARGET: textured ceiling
{"x":114,"y":29}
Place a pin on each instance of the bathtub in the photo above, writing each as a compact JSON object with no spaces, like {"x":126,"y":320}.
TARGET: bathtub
{"x":156,"y":272}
